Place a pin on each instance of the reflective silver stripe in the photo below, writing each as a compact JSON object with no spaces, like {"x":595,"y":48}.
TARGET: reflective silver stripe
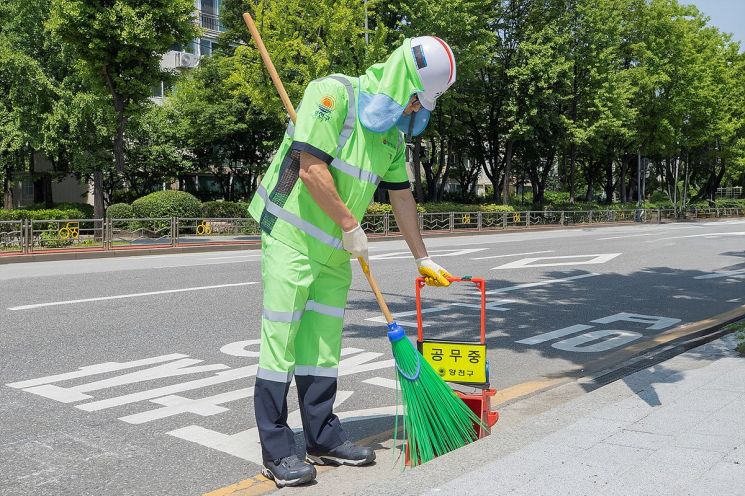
{"x":296,"y":221}
{"x":275,"y":316}
{"x":314,"y":306}
{"x":355,"y":171}
{"x":273,"y":375}
{"x":316,"y":371}
{"x":351,"y":119}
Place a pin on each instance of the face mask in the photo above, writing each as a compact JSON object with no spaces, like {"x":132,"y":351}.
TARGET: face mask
{"x":379,"y":112}
{"x":415,"y":122}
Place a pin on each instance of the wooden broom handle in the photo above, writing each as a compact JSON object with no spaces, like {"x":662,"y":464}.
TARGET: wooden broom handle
{"x":291,"y":110}
{"x":270,"y":66}
{"x":376,"y":290}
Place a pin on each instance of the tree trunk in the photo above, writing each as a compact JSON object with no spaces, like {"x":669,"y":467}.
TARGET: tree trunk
{"x":572,"y":159}
{"x":98,"y":203}
{"x":609,"y":181}
{"x":7,"y":189}
{"x":590,"y":181}
{"x":622,"y":180}
{"x":507,"y":172}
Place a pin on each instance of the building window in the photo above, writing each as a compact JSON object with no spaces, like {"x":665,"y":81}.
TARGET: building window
{"x":209,"y":15}
{"x":206,"y":46}
{"x":27,"y":190}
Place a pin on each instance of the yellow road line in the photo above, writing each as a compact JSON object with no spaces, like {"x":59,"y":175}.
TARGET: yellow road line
{"x":524,"y":389}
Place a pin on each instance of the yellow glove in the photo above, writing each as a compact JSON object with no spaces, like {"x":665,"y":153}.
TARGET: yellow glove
{"x":434,"y":275}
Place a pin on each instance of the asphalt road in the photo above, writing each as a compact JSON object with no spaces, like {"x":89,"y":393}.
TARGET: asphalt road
{"x":133,"y":375}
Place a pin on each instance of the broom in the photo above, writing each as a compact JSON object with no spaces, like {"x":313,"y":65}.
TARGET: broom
{"x":436,"y":421}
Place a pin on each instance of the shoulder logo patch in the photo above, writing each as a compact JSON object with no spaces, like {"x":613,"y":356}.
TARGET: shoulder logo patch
{"x":325,"y":106}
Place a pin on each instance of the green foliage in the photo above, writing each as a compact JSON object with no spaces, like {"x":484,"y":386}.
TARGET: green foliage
{"x":43,"y":214}
{"x":729,"y":204}
{"x":118,"y":46}
{"x":442,"y":207}
{"x":222,"y":128}
{"x":168,"y":203}
{"x":51,"y":239}
{"x":120,"y":211}
{"x":224,"y":209}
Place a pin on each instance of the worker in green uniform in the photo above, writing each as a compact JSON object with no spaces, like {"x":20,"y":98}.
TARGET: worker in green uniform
{"x":348,"y":140}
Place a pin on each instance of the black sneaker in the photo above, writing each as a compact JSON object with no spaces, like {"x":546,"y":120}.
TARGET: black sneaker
{"x":346,"y":454}
{"x":289,"y":471}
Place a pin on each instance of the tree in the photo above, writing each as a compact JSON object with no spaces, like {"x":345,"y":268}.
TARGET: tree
{"x":157,"y":153}
{"x":119,"y":44}
{"x":221,"y":128}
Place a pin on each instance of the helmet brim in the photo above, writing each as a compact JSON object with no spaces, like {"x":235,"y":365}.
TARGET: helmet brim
{"x":427,"y":101}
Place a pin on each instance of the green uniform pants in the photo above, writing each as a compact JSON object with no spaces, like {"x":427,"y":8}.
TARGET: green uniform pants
{"x":301,"y":330}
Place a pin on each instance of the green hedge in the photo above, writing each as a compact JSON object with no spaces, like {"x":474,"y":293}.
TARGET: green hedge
{"x":43,"y":214}
{"x":120,"y":211}
{"x":84,"y":208}
{"x":730,"y":203}
{"x":224,"y":209}
{"x":169,"y":203}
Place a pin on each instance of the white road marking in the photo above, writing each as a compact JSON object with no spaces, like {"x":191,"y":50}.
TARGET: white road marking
{"x":514,"y":255}
{"x":234,"y":256}
{"x":729,"y":273}
{"x":616,"y":338}
{"x":218,"y":378}
{"x":246,"y":445}
{"x":627,"y":236}
{"x":708,"y":235}
{"x":170,"y":369}
{"x":382,"y":382}
{"x":541,"y":283}
{"x":559,"y":333}
{"x":440,"y":253}
{"x":529,"y":262}
{"x":99,"y":368}
{"x":132,"y":295}
{"x":176,"y":405}
{"x":195,"y":264}
{"x":657,"y":323}
{"x":397,"y":316}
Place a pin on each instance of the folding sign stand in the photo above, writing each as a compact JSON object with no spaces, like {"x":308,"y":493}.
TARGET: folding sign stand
{"x":462,"y":362}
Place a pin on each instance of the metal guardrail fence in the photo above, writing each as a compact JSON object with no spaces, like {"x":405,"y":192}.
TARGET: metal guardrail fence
{"x":44,"y":236}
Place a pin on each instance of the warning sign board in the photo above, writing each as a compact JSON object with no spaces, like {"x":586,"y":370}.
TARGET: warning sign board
{"x":457,"y":362}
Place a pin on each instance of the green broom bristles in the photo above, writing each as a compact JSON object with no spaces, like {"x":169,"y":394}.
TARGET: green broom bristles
{"x":436,"y":420}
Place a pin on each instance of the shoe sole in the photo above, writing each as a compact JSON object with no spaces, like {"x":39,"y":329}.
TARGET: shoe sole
{"x":282,"y":483}
{"x":332,"y":460}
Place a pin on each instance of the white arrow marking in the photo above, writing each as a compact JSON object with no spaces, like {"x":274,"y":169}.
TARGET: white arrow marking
{"x":529,"y":262}
{"x":438,"y":253}
{"x":513,"y":255}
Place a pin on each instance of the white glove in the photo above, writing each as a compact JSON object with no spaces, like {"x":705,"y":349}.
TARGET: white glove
{"x":355,"y":242}
{"x":434,"y":275}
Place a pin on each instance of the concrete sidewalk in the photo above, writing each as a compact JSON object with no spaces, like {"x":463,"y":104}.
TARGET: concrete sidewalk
{"x":676,"y":428}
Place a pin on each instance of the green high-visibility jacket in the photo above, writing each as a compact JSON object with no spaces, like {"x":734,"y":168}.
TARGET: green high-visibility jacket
{"x":359,"y":160}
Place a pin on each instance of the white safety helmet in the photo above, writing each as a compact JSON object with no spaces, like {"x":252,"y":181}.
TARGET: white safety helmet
{"x":435,"y":64}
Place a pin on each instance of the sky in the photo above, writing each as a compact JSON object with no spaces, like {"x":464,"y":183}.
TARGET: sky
{"x":727,"y":15}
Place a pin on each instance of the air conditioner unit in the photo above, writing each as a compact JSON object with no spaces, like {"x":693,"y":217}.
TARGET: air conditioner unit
{"x":187,"y":60}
